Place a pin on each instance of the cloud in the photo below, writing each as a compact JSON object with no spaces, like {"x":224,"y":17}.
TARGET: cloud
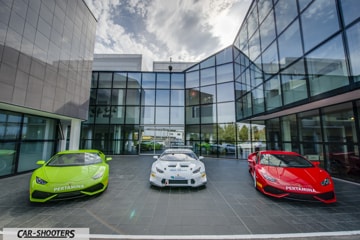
{"x":186,"y":30}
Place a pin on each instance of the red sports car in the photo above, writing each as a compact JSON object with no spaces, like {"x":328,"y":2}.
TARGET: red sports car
{"x":283,"y":174}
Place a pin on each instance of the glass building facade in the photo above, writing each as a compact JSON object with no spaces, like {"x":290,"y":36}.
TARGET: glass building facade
{"x":46,"y":52}
{"x":290,"y":81}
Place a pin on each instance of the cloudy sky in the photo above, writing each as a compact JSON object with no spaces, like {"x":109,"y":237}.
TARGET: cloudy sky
{"x":185,"y":30}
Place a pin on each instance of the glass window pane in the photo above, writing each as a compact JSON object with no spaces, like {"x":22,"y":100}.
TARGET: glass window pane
{"x":272,"y":93}
{"x":264,"y":6}
{"x":289,"y":132}
{"x":148,"y":80}
{"x":258,"y":100}
{"x":117,"y":115}
{"x":270,"y":59}
{"x":134,"y":80}
{"x":177,"y":81}
{"x":267,"y":31}
{"x":102,"y":114}
{"x":31,"y":152}
{"x":252,"y":21}
{"x":132,"y":115}
{"x":208,"y":113}
{"x":93,"y":96}
{"x":353,"y":37}
{"x":285,"y":12}
{"x":208,"y":94}
{"x":163,"y":80}
{"x":208,"y":62}
{"x":224,"y":56}
{"x":327,"y":67}
{"x":207,"y":76}
{"x":162,"y":97}
{"x":10,"y":124}
{"x":148,"y":97}
{"x":177,"y":115}
{"x":133,"y":97}
{"x":177,"y":98}
{"x":118,"y":97}
{"x":7,"y":158}
{"x":94,"y":79}
{"x":225,"y":92}
{"x":148,"y":115}
{"x":105,"y":80}
{"x":294,"y":87}
{"x":318,"y":25}
{"x":162,"y":115}
{"x":38,"y":128}
{"x":192,"y":79}
{"x":192,"y":115}
{"x":226,"y":112}
{"x":254,"y":46}
{"x":224,"y":73}
{"x":290,"y":52}
{"x":103,"y":96}
{"x":192,"y":96}
{"x":350,"y":10}
{"x":119,"y":80}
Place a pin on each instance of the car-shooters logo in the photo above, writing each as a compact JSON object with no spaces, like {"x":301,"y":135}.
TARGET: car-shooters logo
{"x":46,"y":233}
{"x":68,"y":187}
{"x":300,"y":189}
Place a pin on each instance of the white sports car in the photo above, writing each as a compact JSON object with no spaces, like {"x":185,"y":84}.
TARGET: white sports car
{"x":178,"y":167}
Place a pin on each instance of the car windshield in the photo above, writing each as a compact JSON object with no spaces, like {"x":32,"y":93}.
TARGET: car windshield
{"x":178,"y":157}
{"x":74,"y":159}
{"x":284,"y":160}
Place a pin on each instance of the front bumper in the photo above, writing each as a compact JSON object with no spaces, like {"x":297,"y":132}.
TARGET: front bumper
{"x":160,"y":180}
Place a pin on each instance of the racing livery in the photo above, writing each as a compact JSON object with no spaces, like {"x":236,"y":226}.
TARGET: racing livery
{"x":70,"y":174}
{"x":178,"y":167}
{"x":283,"y":174}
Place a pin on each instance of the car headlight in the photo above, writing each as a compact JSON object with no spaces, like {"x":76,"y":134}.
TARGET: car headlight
{"x":197,"y":170}
{"x":268,"y":177}
{"x":40,"y":181}
{"x":325,"y":182}
{"x":159,"y":170}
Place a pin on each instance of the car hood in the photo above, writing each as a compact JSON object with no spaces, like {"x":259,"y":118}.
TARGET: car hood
{"x":69,"y":173}
{"x":304,"y":176}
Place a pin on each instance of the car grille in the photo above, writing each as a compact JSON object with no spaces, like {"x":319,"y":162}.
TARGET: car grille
{"x":273,"y":190}
{"x":94,"y":188}
{"x":41,"y":195}
{"x":326,"y":196}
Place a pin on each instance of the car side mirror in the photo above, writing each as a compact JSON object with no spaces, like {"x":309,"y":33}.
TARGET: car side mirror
{"x":316,"y":163}
{"x":40,"y":162}
{"x":201,"y":157}
{"x":108,"y":159}
{"x":156,"y":157}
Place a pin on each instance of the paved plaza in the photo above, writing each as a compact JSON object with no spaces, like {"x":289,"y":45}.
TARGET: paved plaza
{"x":228,"y":207}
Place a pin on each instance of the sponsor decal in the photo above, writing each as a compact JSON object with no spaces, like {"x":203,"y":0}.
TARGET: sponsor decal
{"x":46,"y":233}
{"x":300,"y":189}
{"x":68,"y":187}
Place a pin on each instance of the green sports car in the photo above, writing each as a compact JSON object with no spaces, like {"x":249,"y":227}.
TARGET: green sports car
{"x":70,"y":174}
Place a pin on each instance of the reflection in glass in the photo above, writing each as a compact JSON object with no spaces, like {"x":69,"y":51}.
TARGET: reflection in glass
{"x":310,"y":132}
{"x":254,"y":46}
{"x":10,"y":125}
{"x":94,"y":79}
{"x":134,"y":80}
{"x":319,"y":24}
{"x":31,"y":152}
{"x":132,"y":115}
{"x":327,"y":67}
{"x":148,"y":115}
{"x":177,"y":81}
{"x":192,"y":115}
{"x":353,"y":37}
{"x":207,"y":76}
{"x":38,"y":128}
{"x":117,"y":114}
{"x":148,"y":97}
{"x":290,"y":52}
{"x":210,"y":62}
{"x":162,"y":115}
{"x":273,"y":93}
{"x":103,"y":96}
{"x":267,"y":30}
{"x":224,"y":73}
{"x":350,"y":10}
{"x":293,"y":87}
{"x":148,"y":80}
{"x":119,"y":80}
{"x":118,"y":97}
{"x":177,"y":97}
{"x":226,"y":112}
{"x":105,"y":80}
{"x":225,"y":92}
{"x":258,"y":100}
{"x":192,"y":79}
{"x":285,"y":12}
{"x":133,"y":97}
{"x":7,"y":158}
{"x":224,"y":56}
{"x":208,"y":113}
{"x":192,"y":96}
{"x":270,"y":60}
{"x":177,"y":115}
{"x":162,"y":97}
{"x":163,"y":80}
{"x":208,"y":94}
{"x":289,"y":131}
